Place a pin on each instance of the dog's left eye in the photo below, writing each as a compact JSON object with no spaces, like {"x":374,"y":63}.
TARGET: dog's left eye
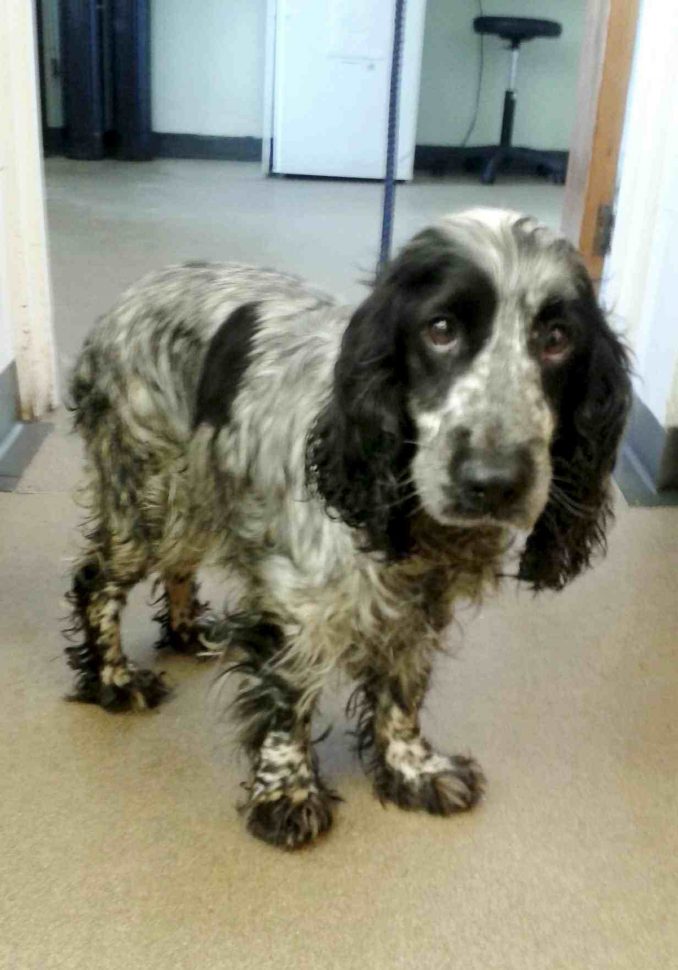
{"x":444,"y":334}
{"x":556,"y":343}
{"x":552,"y":336}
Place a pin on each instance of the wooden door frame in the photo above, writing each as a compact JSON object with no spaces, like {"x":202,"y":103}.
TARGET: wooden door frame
{"x":604,"y":71}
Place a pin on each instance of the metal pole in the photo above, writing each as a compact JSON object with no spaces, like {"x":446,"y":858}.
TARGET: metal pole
{"x":392,"y":137}
{"x":513,"y":69}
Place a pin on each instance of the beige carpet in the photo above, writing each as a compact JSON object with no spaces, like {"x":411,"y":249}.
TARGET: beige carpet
{"x":121,"y":847}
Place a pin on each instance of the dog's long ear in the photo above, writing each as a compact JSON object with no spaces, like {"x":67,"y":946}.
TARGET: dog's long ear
{"x":360,"y":447}
{"x":592,"y":413}
{"x":358,"y":452}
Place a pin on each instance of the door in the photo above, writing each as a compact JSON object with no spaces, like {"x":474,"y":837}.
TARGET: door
{"x":604,"y":72}
{"x":331,"y":83}
{"x":27,"y":355}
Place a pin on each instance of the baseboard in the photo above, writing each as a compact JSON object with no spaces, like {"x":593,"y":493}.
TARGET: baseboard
{"x":18,"y":450}
{"x":435,"y":159}
{"x":647,"y":470}
{"x":172,"y":145}
{"x":9,"y":396}
{"x":53,"y":141}
{"x":448,"y":159}
{"x":227,"y":148}
{"x":18,"y":441}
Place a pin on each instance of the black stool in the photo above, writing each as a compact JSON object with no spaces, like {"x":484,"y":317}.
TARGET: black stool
{"x":515,"y":30}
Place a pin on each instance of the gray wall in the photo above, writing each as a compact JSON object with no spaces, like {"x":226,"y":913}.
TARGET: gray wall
{"x":547,"y":75}
{"x":208,"y":70}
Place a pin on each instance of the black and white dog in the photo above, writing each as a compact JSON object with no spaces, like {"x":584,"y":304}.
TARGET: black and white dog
{"x":361,"y":469}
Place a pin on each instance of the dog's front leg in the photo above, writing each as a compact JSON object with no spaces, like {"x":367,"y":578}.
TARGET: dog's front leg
{"x":288,"y":804}
{"x":405,"y":768}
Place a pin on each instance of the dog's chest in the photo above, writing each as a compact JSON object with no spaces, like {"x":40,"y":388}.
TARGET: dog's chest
{"x":390,"y":607}
{"x":429,"y":588}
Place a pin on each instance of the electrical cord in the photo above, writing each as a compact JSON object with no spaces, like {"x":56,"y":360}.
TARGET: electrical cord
{"x":481,"y":68}
{"x":392,"y":137}
{"x":392,"y":134}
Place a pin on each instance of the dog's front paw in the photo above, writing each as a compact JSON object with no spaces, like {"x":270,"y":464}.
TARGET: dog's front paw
{"x":292,"y":820}
{"x":120,"y":688}
{"x":445,"y":786}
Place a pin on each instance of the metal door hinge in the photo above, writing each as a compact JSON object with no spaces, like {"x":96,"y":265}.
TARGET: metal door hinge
{"x":602,"y":240}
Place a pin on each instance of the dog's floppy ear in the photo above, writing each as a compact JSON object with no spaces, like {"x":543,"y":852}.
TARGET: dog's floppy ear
{"x":360,"y":448}
{"x":592,"y":413}
{"x":358,"y":452}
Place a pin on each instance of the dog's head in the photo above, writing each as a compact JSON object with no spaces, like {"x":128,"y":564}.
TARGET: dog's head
{"x":480,"y":383}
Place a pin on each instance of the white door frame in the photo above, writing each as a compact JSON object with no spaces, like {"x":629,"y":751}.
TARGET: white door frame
{"x":23,"y":242}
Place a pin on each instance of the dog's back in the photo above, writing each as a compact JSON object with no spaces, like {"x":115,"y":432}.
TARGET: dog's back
{"x":158,"y":378}
{"x":143,"y":360}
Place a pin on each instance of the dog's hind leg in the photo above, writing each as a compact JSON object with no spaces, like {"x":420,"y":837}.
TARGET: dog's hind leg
{"x":181,"y":614}
{"x":98,"y":594}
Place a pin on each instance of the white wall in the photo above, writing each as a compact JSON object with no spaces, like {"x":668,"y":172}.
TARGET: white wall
{"x":207,"y":63}
{"x":547,"y":74}
{"x":672,"y":408}
{"x":26,"y":306}
{"x":6,"y":340}
{"x":641,"y":273}
{"x":207,"y":66}
{"x":657,"y":330}
{"x":6,"y":335}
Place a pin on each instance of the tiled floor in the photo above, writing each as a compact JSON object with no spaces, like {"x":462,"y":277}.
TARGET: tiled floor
{"x":121,"y":847}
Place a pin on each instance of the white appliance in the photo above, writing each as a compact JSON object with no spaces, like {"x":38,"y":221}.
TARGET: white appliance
{"x":327,"y":77}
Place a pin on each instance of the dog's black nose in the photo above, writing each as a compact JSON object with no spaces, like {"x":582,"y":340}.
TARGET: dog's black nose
{"x":493,"y":483}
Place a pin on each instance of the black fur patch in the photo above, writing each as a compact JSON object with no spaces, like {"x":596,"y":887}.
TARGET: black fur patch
{"x":145,"y":689}
{"x":361,"y":446}
{"x":85,"y":658}
{"x":224,"y":366}
{"x":266,"y":700}
{"x":593,"y":401}
{"x":290,"y":824}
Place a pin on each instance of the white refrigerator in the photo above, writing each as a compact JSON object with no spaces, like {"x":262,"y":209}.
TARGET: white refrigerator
{"x":328,"y":69}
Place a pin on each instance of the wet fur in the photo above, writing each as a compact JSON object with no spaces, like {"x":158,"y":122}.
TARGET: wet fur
{"x":236,"y":416}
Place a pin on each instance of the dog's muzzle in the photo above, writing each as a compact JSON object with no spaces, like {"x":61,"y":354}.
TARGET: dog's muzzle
{"x":491,"y":484}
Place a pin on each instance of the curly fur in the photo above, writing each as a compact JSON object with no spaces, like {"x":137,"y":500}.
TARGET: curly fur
{"x":360,"y":477}
{"x":573,"y":526}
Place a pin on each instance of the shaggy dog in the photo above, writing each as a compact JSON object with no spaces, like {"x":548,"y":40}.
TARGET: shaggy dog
{"x":362,"y":470}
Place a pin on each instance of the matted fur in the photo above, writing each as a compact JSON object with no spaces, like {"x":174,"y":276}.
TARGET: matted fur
{"x":236,"y":416}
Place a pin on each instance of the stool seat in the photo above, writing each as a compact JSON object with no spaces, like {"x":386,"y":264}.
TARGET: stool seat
{"x":517,"y":29}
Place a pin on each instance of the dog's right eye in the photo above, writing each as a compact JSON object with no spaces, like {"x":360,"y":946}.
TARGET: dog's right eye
{"x":444,"y":334}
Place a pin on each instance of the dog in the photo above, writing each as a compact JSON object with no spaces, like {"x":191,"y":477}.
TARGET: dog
{"x":363,"y":471}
